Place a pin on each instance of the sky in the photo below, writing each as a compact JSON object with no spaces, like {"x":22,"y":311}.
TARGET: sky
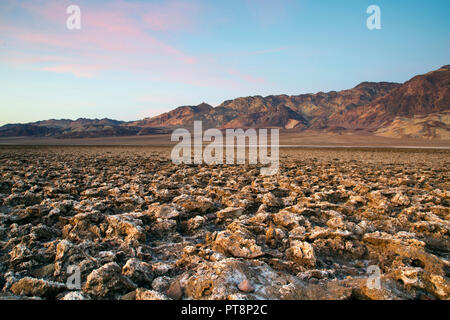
{"x":136,"y":59}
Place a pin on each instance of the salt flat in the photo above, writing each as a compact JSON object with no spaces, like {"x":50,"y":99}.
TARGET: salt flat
{"x":139,"y":227}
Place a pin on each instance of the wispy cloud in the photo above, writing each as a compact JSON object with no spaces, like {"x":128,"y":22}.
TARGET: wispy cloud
{"x":81,"y":71}
{"x":119,"y":36}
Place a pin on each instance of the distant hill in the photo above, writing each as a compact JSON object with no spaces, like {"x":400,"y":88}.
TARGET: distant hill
{"x":80,"y":128}
{"x":418,"y":108}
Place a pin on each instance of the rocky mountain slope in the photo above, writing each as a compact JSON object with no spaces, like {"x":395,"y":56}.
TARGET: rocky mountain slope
{"x":80,"y":128}
{"x":301,"y":111}
{"x":421,"y":96}
{"x":417,"y":108}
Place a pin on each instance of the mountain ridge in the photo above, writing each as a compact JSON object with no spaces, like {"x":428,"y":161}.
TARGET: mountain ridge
{"x":417,"y":108}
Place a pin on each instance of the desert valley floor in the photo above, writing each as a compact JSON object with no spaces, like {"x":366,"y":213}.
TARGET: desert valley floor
{"x":139,"y":227}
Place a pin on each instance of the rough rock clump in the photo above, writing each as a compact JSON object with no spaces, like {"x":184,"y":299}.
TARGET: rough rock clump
{"x":301,"y":253}
{"x":107,"y":281}
{"x":37,"y":288}
{"x":129,"y":224}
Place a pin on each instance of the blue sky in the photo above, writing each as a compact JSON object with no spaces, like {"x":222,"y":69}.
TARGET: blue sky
{"x":133,"y":59}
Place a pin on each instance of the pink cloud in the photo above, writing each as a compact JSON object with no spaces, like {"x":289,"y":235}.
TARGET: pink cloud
{"x":116,"y":37}
{"x":111,"y":28}
{"x":24,"y":59}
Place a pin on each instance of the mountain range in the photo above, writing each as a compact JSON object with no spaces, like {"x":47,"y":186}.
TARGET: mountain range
{"x":418,"y":108}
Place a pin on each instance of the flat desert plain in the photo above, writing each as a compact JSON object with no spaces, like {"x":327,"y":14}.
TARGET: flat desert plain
{"x":297,"y":139}
{"x":124,"y":222}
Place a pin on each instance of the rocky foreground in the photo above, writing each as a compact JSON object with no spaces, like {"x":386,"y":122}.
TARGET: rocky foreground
{"x":139,"y":227}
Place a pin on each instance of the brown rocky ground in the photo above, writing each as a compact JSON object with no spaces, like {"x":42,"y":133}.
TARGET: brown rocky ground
{"x":139,"y":227}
